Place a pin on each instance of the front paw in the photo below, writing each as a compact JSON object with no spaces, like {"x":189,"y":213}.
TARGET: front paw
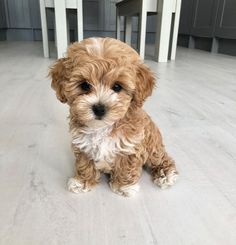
{"x":126,"y":191}
{"x":164,"y":180}
{"x":75,"y":186}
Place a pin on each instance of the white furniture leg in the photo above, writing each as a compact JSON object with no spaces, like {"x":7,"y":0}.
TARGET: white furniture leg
{"x":117,"y":25}
{"x":175,"y":30}
{"x":128,"y":29}
{"x":142,"y":29}
{"x":80,"y":20}
{"x":164,"y":14}
{"x":61,"y":28}
{"x":44,"y":28}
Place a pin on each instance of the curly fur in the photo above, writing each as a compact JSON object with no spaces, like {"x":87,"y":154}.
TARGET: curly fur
{"x":125,"y":139}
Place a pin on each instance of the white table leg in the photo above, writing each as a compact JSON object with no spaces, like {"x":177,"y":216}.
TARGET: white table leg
{"x":80,"y":20}
{"x":117,"y":24}
{"x":175,"y":30}
{"x":142,"y":30}
{"x":44,"y":28}
{"x":61,"y":28}
{"x":128,"y":29}
{"x":164,"y":15}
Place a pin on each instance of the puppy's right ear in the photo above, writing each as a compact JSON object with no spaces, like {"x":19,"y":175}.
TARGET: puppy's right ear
{"x":58,"y":73}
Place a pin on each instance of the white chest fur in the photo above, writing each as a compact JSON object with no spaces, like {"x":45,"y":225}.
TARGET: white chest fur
{"x":99,"y":145}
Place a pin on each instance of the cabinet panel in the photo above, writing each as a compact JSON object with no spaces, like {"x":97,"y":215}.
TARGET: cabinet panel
{"x":35,"y":14}
{"x":110,"y":15}
{"x":3,"y":20}
{"x":226,"y":19}
{"x":93,"y":14}
{"x":18,"y":13}
{"x":151,"y":23}
{"x":204,"y":17}
{"x":186,"y":15}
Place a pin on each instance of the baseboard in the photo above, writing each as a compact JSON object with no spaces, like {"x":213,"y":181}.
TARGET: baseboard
{"x":3,"y":35}
{"x":36,"y":35}
{"x":226,"y":46}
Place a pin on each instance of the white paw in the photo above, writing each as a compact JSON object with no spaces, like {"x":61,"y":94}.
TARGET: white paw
{"x":166,"y":180}
{"x":75,"y":186}
{"x":126,"y":191}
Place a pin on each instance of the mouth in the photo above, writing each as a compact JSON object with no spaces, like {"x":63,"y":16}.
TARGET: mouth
{"x":97,"y":122}
{"x":99,"y":118}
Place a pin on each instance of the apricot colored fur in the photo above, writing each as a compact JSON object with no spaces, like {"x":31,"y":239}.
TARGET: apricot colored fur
{"x":131,"y":139}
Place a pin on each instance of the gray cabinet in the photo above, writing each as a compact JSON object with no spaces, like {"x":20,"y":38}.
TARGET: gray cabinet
{"x":18,"y":13}
{"x":226,"y":20}
{"x":3,"y":20}
{"x":204,"y":17}
{"x":209,"y":25}
{"x":208,"y":18}
{"x":93,"y":14}
{"x":186,"y":16}
{"x":35,"y":14}
{"x":110,"y":16}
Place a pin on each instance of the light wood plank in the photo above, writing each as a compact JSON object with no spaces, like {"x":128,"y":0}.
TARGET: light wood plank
{"x":194,"y":106}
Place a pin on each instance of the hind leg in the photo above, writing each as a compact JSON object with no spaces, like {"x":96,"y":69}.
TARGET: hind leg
{"x":163,"y":169}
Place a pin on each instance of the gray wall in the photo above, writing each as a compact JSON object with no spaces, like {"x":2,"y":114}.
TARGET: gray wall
{"x":20,"y":20}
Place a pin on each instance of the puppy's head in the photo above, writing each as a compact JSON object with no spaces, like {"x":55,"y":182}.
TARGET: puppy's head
{"x":101,"y":79}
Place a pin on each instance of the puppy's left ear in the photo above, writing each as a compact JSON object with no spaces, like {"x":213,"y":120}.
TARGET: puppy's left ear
{"x":58,"y":73}
{"x":145,"y":83}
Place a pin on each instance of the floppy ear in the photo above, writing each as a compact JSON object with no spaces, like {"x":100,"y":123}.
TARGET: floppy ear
{"x":145,"y":82}
{"x":58,"y":73}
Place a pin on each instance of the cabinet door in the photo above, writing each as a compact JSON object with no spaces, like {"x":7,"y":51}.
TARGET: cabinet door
{"x":110,"y":15}
{"x":226,"y":19}
{"x":18,"y":13}
{"x":186,"y":15}
{"x":3,"y":19}
{"x":204,"y":17}
{"x":93,"y":14}
{"x":35,"y":14}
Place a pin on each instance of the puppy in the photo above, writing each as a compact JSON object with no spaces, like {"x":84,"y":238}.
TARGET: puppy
{"x":105,"y":84}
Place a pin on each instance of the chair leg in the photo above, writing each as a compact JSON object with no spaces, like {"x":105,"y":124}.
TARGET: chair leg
{"x":117,"y":24}
{"x":80,"y":20}
{"x":128,"y":29}
{"x":175,"y":30}
{"x":164,"y":16}
{"x":61,"y":27}
{"x":142,"y":31}
{"x":44,"y":28}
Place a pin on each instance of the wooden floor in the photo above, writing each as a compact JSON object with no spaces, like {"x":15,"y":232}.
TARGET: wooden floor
{"x":195,"y":107}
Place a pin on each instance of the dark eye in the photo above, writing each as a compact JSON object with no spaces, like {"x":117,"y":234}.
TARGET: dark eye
{"x":85,"y":86}
{"x":116,"y":87}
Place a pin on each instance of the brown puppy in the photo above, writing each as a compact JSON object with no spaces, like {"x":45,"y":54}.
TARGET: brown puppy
{"x":105,"y":83}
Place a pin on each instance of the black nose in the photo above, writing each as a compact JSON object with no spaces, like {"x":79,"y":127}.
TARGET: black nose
{"x":99,"y":110}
